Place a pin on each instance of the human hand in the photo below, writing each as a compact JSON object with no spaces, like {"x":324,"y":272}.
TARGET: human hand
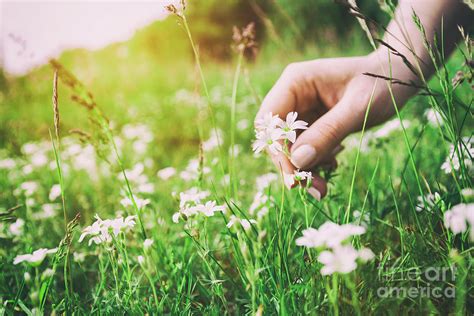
{"x":332,"y":95}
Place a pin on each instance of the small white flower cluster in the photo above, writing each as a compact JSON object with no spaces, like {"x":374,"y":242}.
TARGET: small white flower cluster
{"x":36,"y":258}
{"x":140,"y":135}
{"x":458,"y":218}
{"x":103,"y":231}
{"x":431,"y":200}
{"x":434,"y":117}
{"x":166,"y":173}
{"x":191,"y":172}
{"x":271,"y":131}
{"x":297,"y":176}
{"x":191,"y":204}
{"x":339,"y":256}
{"x":245,"y":223}
{"x":138,"y":179}
{"x":466,"y":151}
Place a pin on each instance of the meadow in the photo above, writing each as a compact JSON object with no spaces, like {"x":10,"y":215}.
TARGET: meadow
{"x":134,"y":188}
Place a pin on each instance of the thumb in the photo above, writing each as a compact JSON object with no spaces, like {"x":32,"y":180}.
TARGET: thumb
{"x":323,"y":136}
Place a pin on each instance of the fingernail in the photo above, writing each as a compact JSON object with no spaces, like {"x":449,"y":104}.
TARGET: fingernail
{"x":315,"y":193}
{"x":303,"y":156}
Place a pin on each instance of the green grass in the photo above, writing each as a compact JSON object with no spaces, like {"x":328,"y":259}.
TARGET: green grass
{"x":202,"y":267}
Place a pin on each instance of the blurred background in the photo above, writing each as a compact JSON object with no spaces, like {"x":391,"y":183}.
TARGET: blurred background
{"x":132,"y":55}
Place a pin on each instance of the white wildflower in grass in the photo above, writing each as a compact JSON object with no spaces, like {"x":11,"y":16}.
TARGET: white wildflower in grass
{"x":141,"y":203}
{"x":147,"y":243}
{"x":260,"y":204}
{"x":268,"y":139}
{"x":267,"y":122}
{"x":453,"y":161}
{"x":343,"y":259}
{"x":103,"y":231}
{"x":431,"y":200}
{"x":47,"y":273}
{"x":468,"y":194}
{"x":141,"y":260}
{"x":47,"y":211}
{"x":329,"y":235}
{"x":27,"y":277}
{"x":36,"y":258}
{"x":79,"y":257}
{"x":340,"y":256}
{"x":166,"y":173}
{"x":297,"y":176}
{"x":191,"y":203}
{"x":29,"y":187}
{"x":265,"y":180}
{"x":272,"y":132}
{"x":245,"y":223}
{"x":390,"y":127}
{"x":209,"y":208}
{"x":459,"y":217}
{"x":434,"y":117}
{"x":214,"y":140}
{"x":16,"y":228}
{"x":55,"y":192}
{"x":192,"y":171}
{"x":362,"y":219}
{"x":7,"y":163}
{"x":290,"y":126}
{"x":193,"y":195}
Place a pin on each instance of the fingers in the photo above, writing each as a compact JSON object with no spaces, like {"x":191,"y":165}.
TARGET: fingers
{"x":321,"y":140}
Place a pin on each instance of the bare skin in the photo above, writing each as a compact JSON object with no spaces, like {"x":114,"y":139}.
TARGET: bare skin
{"x":333,"y":95}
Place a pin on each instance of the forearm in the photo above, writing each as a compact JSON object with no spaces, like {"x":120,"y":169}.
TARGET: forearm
{"x":439,"y":18}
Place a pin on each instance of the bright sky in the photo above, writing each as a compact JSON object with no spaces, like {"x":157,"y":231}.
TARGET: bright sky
{"x":31,"y":32}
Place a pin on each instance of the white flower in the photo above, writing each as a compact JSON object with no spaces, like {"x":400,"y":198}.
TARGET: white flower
{"x":141,"y":260}
{"x":100,"y":230}
{"x":245,"y":223}
{"x":16,"y":229}
{"x":365,"y":254}
{"x":79,"y":256}
{"x":192,"y":170}
{"x":210,"y":208}
{"x":36,"y":258}
{"x":466,"y":151}
{"x":297,"y":176}
{"x":147,"y":243}
{"x":340,"y":260}
{"x":268,"y":121}
{"x":7,"y":163}
{"x":47,"y":211}
{"x":55,"y":192}
{"x":47,"y":273}
{"x":265,"y":180}
{"x":214,"y":140}
{"x":458,"y":217}
{"x":166,"y":173}
{"x":192,"y":197}
{"x":329,"y":235}
{"x":268,"y":139}
{"x":29,"y":187}
{"x":126,"y":202}
{"x":431,"y":200}
{"x":434,"y":117}
{"x":27,"y":277}
{"x":290,"y":126}
{"x":361,"y":219}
